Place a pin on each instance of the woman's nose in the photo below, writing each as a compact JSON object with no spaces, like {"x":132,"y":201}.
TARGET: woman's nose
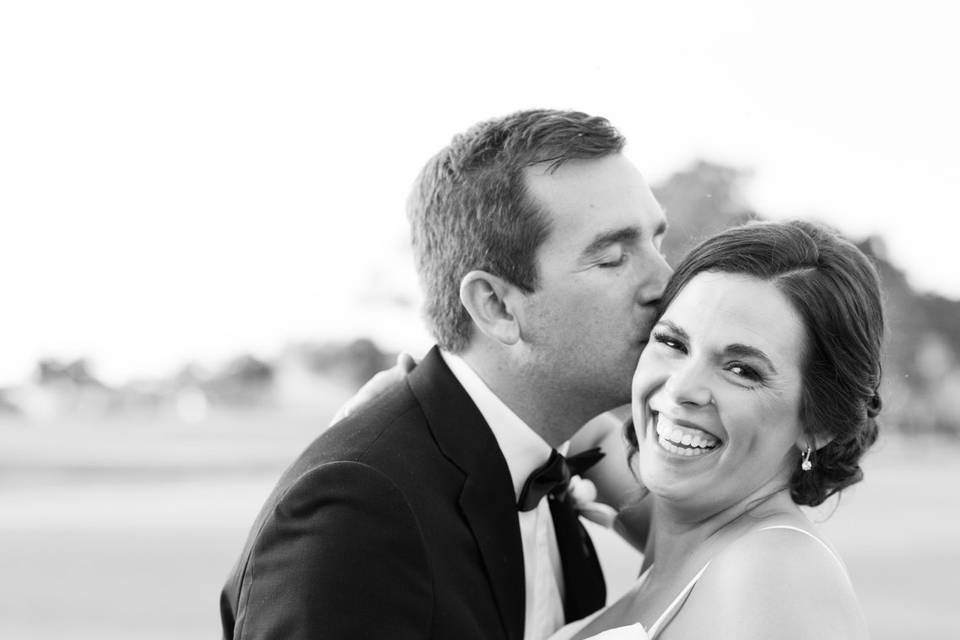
{"x":687,"y":384}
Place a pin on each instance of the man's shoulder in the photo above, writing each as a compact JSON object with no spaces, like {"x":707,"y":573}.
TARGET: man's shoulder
{"x":423,"y":433}
{"x":394,"y":419}
{"x":362,"y":454}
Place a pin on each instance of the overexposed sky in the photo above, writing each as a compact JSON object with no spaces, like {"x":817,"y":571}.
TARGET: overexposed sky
{"x":189,"y":179}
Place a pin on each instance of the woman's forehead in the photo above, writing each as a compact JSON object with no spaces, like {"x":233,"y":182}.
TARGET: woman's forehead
{"x":722,"y":309}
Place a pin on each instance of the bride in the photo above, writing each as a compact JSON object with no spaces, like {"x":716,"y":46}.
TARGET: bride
{"x":755,"y":395}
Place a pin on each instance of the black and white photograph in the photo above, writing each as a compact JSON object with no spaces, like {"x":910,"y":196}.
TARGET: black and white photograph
{"x":488,"y":321}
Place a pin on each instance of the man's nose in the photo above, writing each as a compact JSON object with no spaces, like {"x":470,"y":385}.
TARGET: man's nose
{"x":654,"y":277}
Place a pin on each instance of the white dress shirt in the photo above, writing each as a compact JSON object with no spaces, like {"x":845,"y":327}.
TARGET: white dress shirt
{"x":524,"y":451}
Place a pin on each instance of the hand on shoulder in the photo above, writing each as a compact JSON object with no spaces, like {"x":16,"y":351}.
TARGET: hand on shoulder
{"x":376,"y":386}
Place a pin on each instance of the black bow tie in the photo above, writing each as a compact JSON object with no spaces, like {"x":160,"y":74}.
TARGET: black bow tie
{"x":553,"y":476}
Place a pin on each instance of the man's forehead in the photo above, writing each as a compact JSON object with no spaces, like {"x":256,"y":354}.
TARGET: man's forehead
{"x":579,"y":170}
{"x":610,"y":185}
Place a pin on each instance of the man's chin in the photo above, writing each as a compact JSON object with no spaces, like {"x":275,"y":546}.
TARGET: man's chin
{"x":617,"y":396}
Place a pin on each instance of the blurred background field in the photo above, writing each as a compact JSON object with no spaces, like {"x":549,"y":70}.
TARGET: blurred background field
{"x":128,"y":530}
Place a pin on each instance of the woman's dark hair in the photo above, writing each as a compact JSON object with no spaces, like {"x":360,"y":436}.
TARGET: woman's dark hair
{"x":835,"y":289}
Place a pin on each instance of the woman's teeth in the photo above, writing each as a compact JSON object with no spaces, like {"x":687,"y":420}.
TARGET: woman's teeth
{"x":683,"y":441}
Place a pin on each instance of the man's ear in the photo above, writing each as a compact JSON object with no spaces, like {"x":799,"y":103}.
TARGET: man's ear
{"x":490,"y":301}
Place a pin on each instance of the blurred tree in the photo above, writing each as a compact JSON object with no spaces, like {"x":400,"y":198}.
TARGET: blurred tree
{"x":243,"y":381}
{"x":66,"y":387}
{"x":7,"y":406}
{"x":701,"y":201}
{"x":76,"y":373}
{"x":354,"y":362}
{"x":922,"y":359}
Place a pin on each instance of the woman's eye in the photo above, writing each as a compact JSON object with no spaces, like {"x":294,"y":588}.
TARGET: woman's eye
{"x":670,"y":342}
{"x":745,"y":371}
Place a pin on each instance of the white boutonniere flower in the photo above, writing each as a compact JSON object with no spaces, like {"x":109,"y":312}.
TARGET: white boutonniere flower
{"x":583,"y":496}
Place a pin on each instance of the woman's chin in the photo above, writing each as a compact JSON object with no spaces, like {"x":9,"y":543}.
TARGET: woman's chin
{"x":672,"y":474}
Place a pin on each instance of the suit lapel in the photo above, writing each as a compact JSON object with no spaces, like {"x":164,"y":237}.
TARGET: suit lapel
{"x":487,"y":497}
{"x":493,"y":527}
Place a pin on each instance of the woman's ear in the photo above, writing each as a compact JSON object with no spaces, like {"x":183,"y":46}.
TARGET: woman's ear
{"x":489,"y":300}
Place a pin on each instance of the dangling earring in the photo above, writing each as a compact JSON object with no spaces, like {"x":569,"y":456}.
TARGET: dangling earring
{"x":805,"y":464}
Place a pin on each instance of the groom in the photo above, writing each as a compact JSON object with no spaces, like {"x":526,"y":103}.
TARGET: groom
{"x":537,"y":243}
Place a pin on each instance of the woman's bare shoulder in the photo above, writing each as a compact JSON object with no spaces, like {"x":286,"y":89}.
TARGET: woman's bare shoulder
{"x":776,"y":582}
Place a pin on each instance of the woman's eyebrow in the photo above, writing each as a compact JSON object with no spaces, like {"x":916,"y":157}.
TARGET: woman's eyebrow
{"x":676,"y":329}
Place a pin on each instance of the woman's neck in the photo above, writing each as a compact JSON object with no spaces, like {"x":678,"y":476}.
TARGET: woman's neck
{"x":683,"y":534}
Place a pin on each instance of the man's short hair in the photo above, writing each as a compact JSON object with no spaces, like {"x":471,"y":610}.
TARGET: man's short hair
{"x":469,"y":208}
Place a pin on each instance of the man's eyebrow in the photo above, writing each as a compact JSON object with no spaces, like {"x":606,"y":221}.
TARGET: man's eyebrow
{"x":746,"y":351}
{"x":604,"y":240}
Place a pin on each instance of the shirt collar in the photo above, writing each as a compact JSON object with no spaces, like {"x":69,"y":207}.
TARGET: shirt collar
{"x":522,"y":447}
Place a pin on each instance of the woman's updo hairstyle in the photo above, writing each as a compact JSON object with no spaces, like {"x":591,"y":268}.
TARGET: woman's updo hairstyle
{"x":835,"y":289}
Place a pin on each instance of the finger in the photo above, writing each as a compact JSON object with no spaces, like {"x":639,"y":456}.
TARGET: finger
{"x":406,"y":362}
{"x":341,"y":413}
{"x":369,"y":391}
{"x":599,"y":513}
{"x":375,"y":386}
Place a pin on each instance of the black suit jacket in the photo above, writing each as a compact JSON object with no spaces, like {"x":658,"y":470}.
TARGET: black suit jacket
{"x":398,"y":522}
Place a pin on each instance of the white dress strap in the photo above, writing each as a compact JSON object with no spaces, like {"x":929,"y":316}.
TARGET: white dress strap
{"x":823,"y":544}
{"x":674,"y":606}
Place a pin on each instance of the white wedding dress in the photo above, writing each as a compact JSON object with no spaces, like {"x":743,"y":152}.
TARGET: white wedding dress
{"x":636,"y":631}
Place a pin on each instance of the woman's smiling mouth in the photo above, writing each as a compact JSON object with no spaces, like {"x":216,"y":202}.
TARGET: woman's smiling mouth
{"x":683,"y":440}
